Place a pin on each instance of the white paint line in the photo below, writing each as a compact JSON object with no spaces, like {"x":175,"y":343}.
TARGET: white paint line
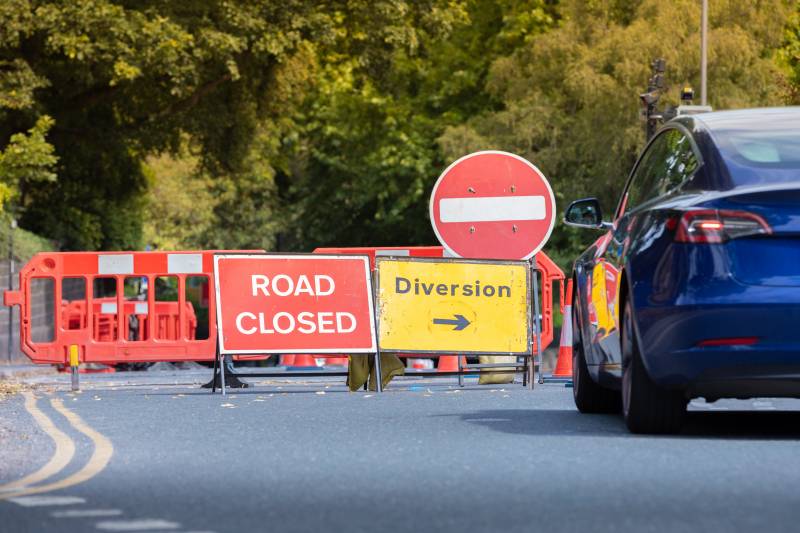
{"x":115,"y":264}
{"x":492,"y":209}
{"x":393,"y":253}
{"x":86,"y":513}
{"x":185,"y":263}
{"x":108,"y":308}
{"x":146,"y":524}
{"x":44,"y":501}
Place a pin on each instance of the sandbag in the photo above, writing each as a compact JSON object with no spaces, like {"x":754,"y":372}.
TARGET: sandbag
{"x":492,"y":379}
{"x":362,"y":367}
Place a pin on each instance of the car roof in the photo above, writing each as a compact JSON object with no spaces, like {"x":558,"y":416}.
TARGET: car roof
{"x":763,"y":118}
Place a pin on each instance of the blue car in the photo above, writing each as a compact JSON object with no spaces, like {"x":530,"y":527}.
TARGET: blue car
{"x":693,"y":289}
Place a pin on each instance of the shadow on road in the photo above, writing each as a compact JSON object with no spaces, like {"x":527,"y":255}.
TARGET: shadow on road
{"x":751,"y":425}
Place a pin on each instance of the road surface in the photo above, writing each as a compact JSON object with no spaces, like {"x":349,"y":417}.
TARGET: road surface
{"x":153,"y":452}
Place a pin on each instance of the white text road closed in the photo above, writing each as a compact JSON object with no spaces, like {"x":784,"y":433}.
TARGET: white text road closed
{"x":294,"y":304}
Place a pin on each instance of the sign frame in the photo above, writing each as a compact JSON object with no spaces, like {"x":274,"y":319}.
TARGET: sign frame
{"x":297,"y":256}
{"x":528,"y":292}
{"x":433,"y":215}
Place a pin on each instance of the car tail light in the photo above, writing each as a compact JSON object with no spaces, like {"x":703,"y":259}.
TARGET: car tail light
{"x":729,"y":341}
{"x":717,"y":226}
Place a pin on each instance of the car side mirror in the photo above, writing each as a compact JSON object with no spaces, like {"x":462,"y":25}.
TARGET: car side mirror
{"x":585,"y":213}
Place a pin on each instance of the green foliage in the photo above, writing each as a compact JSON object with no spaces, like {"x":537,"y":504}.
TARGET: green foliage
{"x":789,"y":54}
{"x":367,"y":154}
{"x":296,"y":124}
{"x":27,"y":161}
{"x":124,"y":80}
{"x":25,"y":245}
{"x":179,"y":207}
{"x":569,"y":96}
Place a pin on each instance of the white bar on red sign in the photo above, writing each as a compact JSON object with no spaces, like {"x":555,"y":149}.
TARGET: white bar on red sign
{"x":393,"y":253}
{"x":115,"y":264}
{"x":184,"y":263}
{"x":492,"y":209}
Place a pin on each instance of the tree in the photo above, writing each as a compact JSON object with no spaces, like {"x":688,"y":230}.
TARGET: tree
{"x":123,"y":80}
{"x":569,"y":96}
{"x":27,"y":162}
{"x":366,"y":157}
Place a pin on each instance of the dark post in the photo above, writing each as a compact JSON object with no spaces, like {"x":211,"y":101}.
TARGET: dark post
{"x":649,"y":100}
{"x":11,"y":287}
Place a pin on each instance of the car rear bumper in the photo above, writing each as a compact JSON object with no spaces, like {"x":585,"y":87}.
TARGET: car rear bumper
{"x":763,"y":358}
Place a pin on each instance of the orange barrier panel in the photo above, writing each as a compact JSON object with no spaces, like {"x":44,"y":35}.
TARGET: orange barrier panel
{"x":117,"y":307}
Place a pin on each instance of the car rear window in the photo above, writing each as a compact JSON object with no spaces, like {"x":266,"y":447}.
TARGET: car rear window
{"x":771,"y":149}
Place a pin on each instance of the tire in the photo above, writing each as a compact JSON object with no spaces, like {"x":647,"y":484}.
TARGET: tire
{"x":589,"y":396}
{"x":647,"y":408}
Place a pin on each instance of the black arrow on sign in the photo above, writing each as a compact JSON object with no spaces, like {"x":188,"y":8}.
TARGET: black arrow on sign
{"x":459,"y":322}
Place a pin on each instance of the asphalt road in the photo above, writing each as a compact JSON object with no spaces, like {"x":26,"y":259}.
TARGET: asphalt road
{"x":423,"y":456}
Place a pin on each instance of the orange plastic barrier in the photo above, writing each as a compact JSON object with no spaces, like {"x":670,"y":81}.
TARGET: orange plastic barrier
{"x":123,"y":328}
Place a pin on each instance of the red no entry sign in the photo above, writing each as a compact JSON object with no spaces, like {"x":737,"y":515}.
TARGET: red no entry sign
{"x":294,"y":304}
{"x":492,"y":205}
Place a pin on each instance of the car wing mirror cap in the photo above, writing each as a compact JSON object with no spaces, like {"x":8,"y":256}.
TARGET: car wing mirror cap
{"x":586,"y":213}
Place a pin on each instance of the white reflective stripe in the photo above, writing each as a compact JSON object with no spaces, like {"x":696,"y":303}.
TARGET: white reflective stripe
{"x":108,"y":308}
{"x":115,"y":264}
{"x":144,"y":524}
{"x":393,"y":253}
{"x":141,"y":308}
{"x":86,"y":513}
{"x":492,"y":209}
{"x":46,"y":501}
{"x":566,"y":326}
{"x":185,"y":263}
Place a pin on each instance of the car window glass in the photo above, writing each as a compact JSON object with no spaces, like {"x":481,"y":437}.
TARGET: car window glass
{"x":668,"y":163}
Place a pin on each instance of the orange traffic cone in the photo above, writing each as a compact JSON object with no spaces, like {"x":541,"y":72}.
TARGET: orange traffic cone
{"x":304,"y":360}
{"x":334,"y":360}
{"x":564,"y":363}
{"x":449,"y":363}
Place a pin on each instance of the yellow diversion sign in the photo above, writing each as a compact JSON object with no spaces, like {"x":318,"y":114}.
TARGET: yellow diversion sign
{"x":453,"y":305}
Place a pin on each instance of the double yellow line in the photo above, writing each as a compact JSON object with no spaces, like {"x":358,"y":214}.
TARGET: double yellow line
{"x":63,"y":454}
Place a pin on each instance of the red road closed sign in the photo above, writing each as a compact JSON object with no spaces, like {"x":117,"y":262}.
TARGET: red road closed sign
{"x":492,"y":205}
{"x":294,"y":304}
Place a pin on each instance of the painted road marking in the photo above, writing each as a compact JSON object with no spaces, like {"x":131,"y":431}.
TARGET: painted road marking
{"x":86,"y":513}
{"x":492,"y":209}
{"x":45,"y":501}
{"x":103,"y":450}
{"x":146,"y":524}
{"x":65,"y":449}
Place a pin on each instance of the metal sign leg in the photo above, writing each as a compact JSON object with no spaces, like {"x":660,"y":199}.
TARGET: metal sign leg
{"x":537,"y":320}
{"x":222,"y":374}
{"x":214,"y":373}
{"x":378,"y":375}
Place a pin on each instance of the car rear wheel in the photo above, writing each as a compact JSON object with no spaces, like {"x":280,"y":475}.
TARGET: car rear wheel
{"x":647,"y":408}
{"x":589,"y":396}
